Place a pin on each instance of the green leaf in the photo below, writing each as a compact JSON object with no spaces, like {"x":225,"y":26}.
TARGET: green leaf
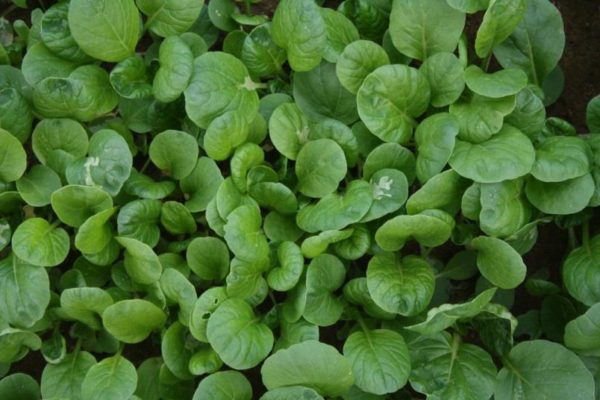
{"x":291,"y":393}
{"x":57,"y":142}
{"x":340,"y":33}
{"x":63,"y":380}
{"x":442,"y":192}
{"x":312,"y":364}
{"x":108,"y":164}
{"x":176,"y":67}
{"x":529,"y":114}
{"x":390,"y":155}
{"x":502,"y":83}
{"x":224,"y":385}
{"x":420,"y":29}
{"x":481,"y":117}
{"x":593,"y":114}
{"x":56,"y":34}
{"x":289,"y":269}
{"x":499,"y":21}
{"x":170,"y":17}
{"x":260,"y":53}
{"x":469,"y":6}
{"x":357,"y":60}
{"x":561,"y":158}
{"x":201,"y":185}
{"x":299,"y":28}
{"x":74,"y":204}
{"x":237,"y":336}
{"x":389,"y":192}
{"x":37,"y":185}
{"x":380,"y":360}
{"x":320,"y":95}
{"x":37,"y":242}
{"x":174,"y":152}
{"x":40,"y":63}
{"x":95,"y":233}
{"x":15,"y":114}
{"x":498,"y":262}
{"x":324,"y":275}
{"x":507,"y":155}
{"x":178,"y":289}
{"x":446,"y":368}
{"x":19,"y":386}
{"x":25,"y":292}
{"x":112,"y":378}
{"x":431,"y":228}
{"x":244,"y":236}
{"x":138,"y":220}
{"x":384,"y":105}
{"x":13,"y":160}
{"x":560,"y":198}
{"x":579,"y":272}
{"x":130,"y":79}
{"x":141,"y":263}
{"x":314,"y":245}
{"x":537,"y":43}
{"x":220,"y":83}
{"x":224,"y":134}
{"x":220,"y":13}
{"x":105,"y":29}
{"x":445,"y":75}
{"x":541,"y":369}
{"x":335,"y":211}
{"x":320,"y":166}
{"x":208,"y":257}
{"x":288,"y":129}
{"x":401,"y":286}
{"x":582,"y":333}
{"x":85,"y":304}
{"x":132,"y":321}
{"x":176,"y":349}
{"x":503,"y":208}
{"x":16,"y":343}
{"x":444,"y":316}
{"x":85,"y":94}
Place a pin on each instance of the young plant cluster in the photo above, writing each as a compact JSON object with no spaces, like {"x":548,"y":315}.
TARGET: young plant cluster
{"x":207,"y":203}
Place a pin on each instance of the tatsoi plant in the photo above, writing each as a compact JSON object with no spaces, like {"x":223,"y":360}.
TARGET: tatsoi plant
{"x":202,"y":202}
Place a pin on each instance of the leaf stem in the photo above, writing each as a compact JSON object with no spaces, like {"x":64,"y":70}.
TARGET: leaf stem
{"x":572,"y":239}
{"x":585,"y":236}
{"x":486,"y":62}
{"x":248,"y":8}
{"x":463,"y":52}
{"x":145,"y":166}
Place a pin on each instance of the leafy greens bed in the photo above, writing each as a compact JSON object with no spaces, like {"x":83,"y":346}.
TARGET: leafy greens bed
{"x":319,"y":204}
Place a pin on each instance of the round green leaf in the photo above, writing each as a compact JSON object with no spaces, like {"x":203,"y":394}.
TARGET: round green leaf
{"x":540,"y":369}
{"x":357,"y":60}
{"x":105,"y":29}
{"x":130,"y":79}
{"x":108,"y":164}
{"x":340,"y":32}
{"x":582,"y":333}
{"x":445,"y":75}
{"x":502,"y":83}
{"x":208,"y":257}
{"x":507,"y":155}
{"x":237,"y":336}
{"x":380,"y":360}
{"x":141,"y":263}
{"x":40,"y":63}
{"x":498,"y":262}
{"x":324,"y":275}
{"x":56,"y":34}
{"x":389,"y":190}
{"x":561,"y":198}
{"x":319,"y":94}
{"x":289,"y":269}
{"x":95,"y":233}
{"x":13,"y":160}
{"x":57,"y":142}
{"x":420,"y":29}
{"x":37,"y":242}
{"x":176,"y":67}
{"x":220,"y":83}
{"x":224,"y":385}
{"x":561,"y":158}
{"x":481,"y":117}
{"x":288,"y":129}
{"x":25,"y":292}
{"x":390,"y":155}
{"x":132,"y":321}
{"x":112,"y":378}
{"x":174,"y":152}
{"x":313,"y":364}
{"x":177,"y":219}
{"x":499,"y":21}
{"x":430,"y":228}
{"x":442,"y":191}
{"x":335,"y":211}
{"x":74,"y":204}
{"x":320,"y":167}
{"x":299,"y":28}
{"x":19,"y":386}
{"x":579,"y":272}
{"x":260,"y":53}
{"x":402,"y":286}
{"x":139,"y":219}
{"x":37,"y":185}
{"x":390,"y":99}
{"x":201,"y":185}
{"x":170,"y":17}
{"x":63,"y":380}
{"x":291,"y":393}
{"x":503,"y":208}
